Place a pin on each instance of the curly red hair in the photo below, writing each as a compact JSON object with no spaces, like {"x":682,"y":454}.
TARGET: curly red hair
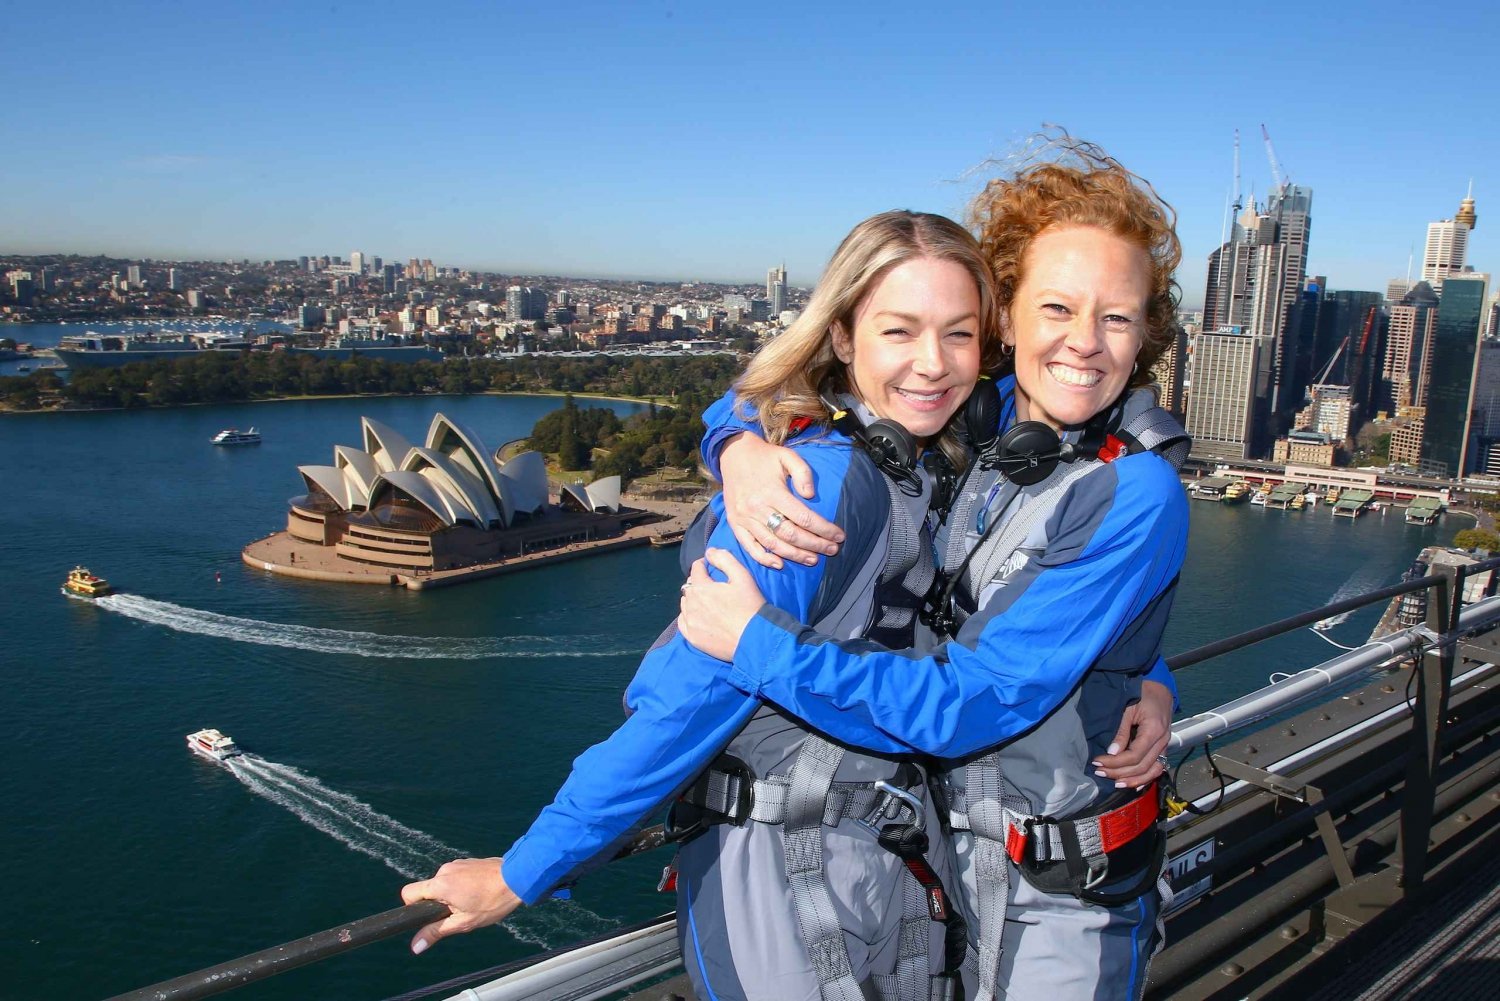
{"x":1078,"y":184}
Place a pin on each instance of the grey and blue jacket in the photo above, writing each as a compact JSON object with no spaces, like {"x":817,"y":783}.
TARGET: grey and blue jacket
{"x":683,"y":712}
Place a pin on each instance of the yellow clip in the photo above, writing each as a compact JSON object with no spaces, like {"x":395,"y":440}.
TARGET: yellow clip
{"x":1175,"y":806}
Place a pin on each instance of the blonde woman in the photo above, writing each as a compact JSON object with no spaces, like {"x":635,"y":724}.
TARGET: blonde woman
{"x":783,"y":890}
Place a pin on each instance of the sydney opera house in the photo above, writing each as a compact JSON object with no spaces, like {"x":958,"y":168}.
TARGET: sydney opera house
{"x":449,"y":503}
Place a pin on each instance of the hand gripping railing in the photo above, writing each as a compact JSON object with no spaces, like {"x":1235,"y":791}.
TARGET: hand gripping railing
{"x":1435,"y":642}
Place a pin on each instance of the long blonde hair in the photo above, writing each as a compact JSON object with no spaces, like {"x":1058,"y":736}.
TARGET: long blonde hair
{"x":782,"y":381}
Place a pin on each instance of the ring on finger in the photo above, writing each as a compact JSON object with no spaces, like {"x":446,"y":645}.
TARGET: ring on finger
{"x":774,"y":520}
{"x":684,"y":588}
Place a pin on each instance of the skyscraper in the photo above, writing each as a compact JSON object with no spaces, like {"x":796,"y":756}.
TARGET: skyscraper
{"x":1169,"y":370}
{"x":1221,"y":405}
{"x":1447,"y":242}
{"x":774,"y":275}
{"x":1406,"y":349}
{"x":1450,"y":384}
{"x":1254,"y":279}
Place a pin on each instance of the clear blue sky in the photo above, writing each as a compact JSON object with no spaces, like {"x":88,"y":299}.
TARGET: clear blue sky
{"x":673,"y":140}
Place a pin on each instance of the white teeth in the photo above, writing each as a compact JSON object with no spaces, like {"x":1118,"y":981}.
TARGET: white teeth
{"x":924,"y":397}
{"x":1073,"y":377}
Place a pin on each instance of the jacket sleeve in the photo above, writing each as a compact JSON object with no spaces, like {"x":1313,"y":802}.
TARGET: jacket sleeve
{"x":1099,"y":593}
{"x":682,"y":714}
{"x":721,"y":422}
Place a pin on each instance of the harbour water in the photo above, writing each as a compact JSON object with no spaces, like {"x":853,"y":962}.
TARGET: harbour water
{"x":387,"y":730}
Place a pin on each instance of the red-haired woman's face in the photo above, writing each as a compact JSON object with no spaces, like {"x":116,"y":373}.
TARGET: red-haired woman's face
{"x":1077,"y":322}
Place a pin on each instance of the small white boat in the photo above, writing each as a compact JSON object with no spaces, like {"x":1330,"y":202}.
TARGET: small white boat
{"x":1259,"y":498}
{"x":212,"y":744}
{"x":234,"y":436}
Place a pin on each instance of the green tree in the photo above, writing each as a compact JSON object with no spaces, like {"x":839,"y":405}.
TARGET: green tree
{"x":1477,"y":538}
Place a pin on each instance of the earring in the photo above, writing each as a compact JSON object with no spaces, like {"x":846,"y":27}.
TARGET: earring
{"x":1006,"y":350}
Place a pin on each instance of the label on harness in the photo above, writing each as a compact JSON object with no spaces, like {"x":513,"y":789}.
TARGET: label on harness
{"x":1180,"y":865}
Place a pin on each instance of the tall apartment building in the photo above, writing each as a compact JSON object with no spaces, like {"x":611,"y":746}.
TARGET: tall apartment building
{"x":1406,"y":349}
{"x":1221,"y":406}
{"x":174,"y":280}
{"x":525,"y":303}
{"x":775,"y":276}
{"x":1454,"y":362}
{"x":133,"y":275}
{"x":1254,"y":280}
{"x":357,"y":262}
{"x":1169,"y":371}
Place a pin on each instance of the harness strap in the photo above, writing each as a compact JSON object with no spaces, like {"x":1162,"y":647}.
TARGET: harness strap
{"x":811,"y":778}
{"x":986,"y":819}
{"x":736,"y":798}
{"x":1048,"y":839}
{"x":907,"y":575}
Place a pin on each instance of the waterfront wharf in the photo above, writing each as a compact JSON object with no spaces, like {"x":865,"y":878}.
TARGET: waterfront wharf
{"x":1210,"y":488}
{"x":1424,"y":511}
{"x":282,"y":554}
{"x":1352,"y":503}
{"x":1283,"y":495}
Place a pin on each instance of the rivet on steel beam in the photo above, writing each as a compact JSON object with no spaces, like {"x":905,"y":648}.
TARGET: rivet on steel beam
{"x":1290,"y":932}
{"x":1231,"y":969}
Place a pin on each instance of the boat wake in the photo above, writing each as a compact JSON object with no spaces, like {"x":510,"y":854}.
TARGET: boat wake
{"x":409,"y":852}
{"x":1363,"y":580}
{"x":358,"y":644}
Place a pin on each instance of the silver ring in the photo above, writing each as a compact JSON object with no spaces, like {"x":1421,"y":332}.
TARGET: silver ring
{"x":774,"y":520}
{"x":685,"y":585}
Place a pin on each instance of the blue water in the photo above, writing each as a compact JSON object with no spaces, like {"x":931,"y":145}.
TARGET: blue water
{"x":390,"y":730}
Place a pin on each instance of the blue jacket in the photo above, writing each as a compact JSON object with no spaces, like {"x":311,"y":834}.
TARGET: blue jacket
{"x":682,"y":709}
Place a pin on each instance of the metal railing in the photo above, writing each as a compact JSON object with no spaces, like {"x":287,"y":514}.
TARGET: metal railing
{"x":1448,"y":621}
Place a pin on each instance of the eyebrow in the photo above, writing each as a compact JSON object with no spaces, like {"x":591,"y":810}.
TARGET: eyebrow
{"x":1058,"y":293}
{"x":912,"y":318}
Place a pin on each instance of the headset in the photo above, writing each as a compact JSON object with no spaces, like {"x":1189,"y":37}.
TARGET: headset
{"x":1029,"y":451}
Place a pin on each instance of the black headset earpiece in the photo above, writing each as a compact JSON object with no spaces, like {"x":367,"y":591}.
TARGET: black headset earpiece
{"x":978,"y":425}
{"x":890,"y":445}
{"x":1028,"y":453}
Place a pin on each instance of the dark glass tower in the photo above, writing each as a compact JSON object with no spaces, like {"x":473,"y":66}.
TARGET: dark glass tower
{"x":1450,"y":390}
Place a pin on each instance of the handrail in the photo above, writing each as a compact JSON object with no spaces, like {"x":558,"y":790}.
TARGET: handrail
{"x":290,"y":955}
{"x":1186,"y":733}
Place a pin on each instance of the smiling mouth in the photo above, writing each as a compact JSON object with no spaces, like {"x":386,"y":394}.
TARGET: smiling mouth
{"x":922,"y":398}
{"x":1085,"y":379}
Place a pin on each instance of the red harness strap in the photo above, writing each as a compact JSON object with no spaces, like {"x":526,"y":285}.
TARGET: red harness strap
{"x":1117,"y":828}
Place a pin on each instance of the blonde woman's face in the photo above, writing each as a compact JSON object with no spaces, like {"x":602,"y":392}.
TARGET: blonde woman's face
{"x":913,"y":355}
{"x":1077,"y":322}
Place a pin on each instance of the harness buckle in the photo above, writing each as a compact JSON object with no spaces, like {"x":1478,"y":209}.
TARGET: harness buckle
{"x":1096,"y":876}
{"x":913,"y":803}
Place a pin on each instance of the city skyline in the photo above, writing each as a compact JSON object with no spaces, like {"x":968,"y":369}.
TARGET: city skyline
{"x":665,"y":144}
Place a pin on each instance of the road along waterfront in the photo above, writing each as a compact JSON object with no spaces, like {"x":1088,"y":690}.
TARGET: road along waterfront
{"x":390,"y":729}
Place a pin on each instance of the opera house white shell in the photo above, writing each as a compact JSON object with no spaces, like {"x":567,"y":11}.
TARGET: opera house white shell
{"x":453,"y":478}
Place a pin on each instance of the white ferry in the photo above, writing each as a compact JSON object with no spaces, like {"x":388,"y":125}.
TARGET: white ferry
{"x":212,"y":744}
{"x":234,"y":436}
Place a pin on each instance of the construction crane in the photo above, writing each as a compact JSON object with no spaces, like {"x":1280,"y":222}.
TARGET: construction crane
{"x":1239,"y":202}
{"x":1271,"y":154}
{"x":1322,"y":379}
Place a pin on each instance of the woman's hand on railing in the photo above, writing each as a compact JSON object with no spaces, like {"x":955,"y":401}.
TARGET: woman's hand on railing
{"x":474,"y":890}
{"x":713,"y":615}
{"x":1134,"y":757}
{"x":770,"y":521}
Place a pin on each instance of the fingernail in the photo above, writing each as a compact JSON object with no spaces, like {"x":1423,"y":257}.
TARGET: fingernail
{"x":1113,"y":749}
{"x":777,"y":565}
{"x":1100,"y":772}
{"x":418,"y":947}
{"x":1095,"y":764}
{"x":811,"y":561}
{"x":1120,"y":784}
{"x":1139,"y":788}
